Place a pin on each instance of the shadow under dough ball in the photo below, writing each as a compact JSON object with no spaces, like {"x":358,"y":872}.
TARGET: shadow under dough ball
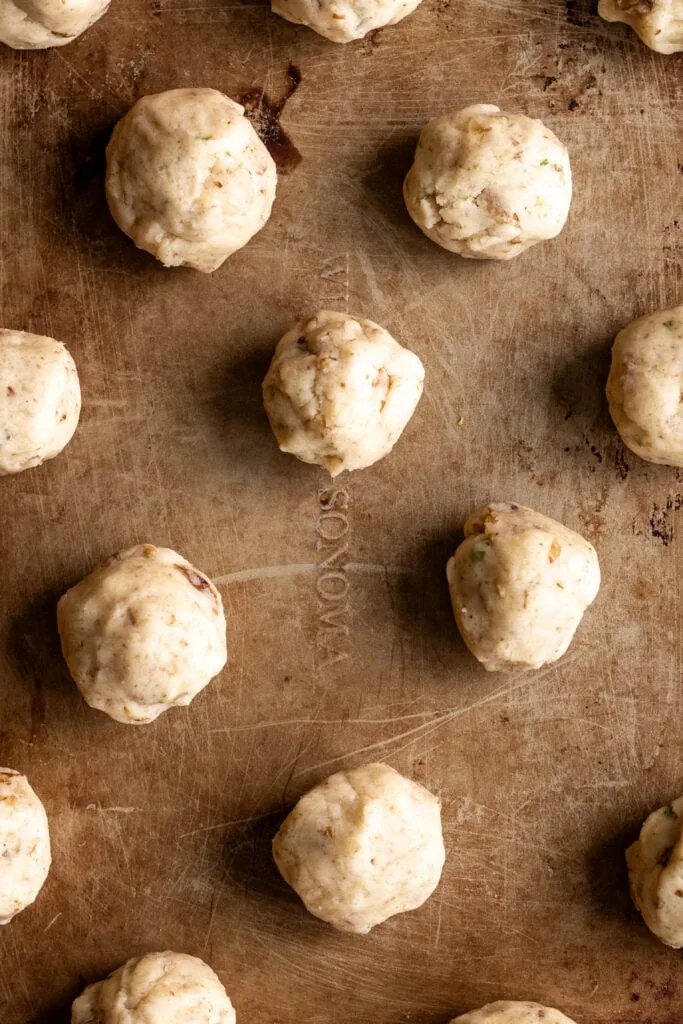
{"x":655,"y":870}
{"x":24,"y":844}
{"x":188,"y":178}
{"x":39,"y":24}
{"x":142,"y":633}
{"x":342,"y":21}
{"x":488,"y":185}
{"x":512,"y":1012}
{"x":340,"y":391}
{"x":362,"y":846}
{"x":519,"y":584}
{"x":157,"y":988}
{"x":659,"y":23}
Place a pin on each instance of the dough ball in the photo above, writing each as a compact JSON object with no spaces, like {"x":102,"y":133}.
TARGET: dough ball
{"x":344,"y":20}
{"x":38,"y":24}
{"x":505,"y":1012}
{"x":520,"y":583}
{"x":188,"y":178}
{"x":24,"y":844}
{"x":659,"y":23}
{"x":362,"y":846}
{"x":655,"y":869}
{"x":142,"y":633}
{"x":40,"y":400}
{"x":645,"y":385}
{"x":340,"y":391}
{"x":488,"y":185}
{"x":158,"y":988}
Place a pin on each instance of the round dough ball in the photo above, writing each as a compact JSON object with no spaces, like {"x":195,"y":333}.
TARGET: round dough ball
{"x":655,"y":870}
{"x":142,"y":633}
{"x":38,"y":24}
{"x":188,"y":178}
{"x":488,"y":185}
{"x":645,"y":384}
{"x":24,"y":844}
{"x":508,"y":1012}
{"x":362,"y":846}
{"x":659,"y":23}
{"x":40,"y":400}
{"x":340,"y":391}
{"x":158,"y":988}
{"x":520,"y":583}
{"x":344,"y":20}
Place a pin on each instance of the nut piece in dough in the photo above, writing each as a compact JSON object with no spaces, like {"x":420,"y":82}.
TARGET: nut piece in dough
{"x":340,"y":391}
{"x":40,"y":400}
{"x":659,"y":23}
{"x":520,"y":583}
{"x":655,"y":870}
{"x":142,"y":633}
{"x":188,"y":178}
{"x":645,"y":385}
{"x":158,"y":988}
{"x":362,"y":846}
{"x":24,"y":844}
{"x":488,"y":185}
{"x":38,"y":24}
{"x":508,"y":1012}
{"x":344,"y":20}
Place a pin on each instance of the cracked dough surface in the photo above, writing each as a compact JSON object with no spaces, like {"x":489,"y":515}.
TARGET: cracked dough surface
{"x":511,"y":1012}
{"x":40,"y":400}
{"x":24,"y":844}
{"x":188,"y":178}
{"x":645,"y":386}
{"x":362,"y":846}
{"x":655,"y":869}
{"x":340,"y":391}
{"x":38,"y":24}
{"x":488,"y":185}
{"x":142,"y":633}
{"x":344,"y":20}
{"x":158,"y":988}
{"x":659,"y":23}
{"x":519,"y":584}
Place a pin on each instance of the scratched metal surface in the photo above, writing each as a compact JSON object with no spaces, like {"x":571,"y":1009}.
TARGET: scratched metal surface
{"x":341,"y":640}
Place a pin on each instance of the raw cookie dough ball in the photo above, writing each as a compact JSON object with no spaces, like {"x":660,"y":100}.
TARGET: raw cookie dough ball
{"x":188,"y":178}
{"x":655,"y":869}
{"x":344,"y":20}
{"x":40,"y":400}
{"x":37,"y":24}
{"x":520,"y":583}
{"x":142,"y":633}
{"x":659,"y":23}
{"x":645,"y":385}
{"x":488,"y":185}
{"x":158,"y":988}
{"x":24,"y":844}
{"x":340,"y":391}
{"x":505,"y":1012}
{"x":362,"y":846}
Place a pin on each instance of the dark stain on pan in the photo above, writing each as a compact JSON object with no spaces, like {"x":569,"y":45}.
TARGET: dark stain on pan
{"x":621,"y":463}
{"x":661,"y":526}
{"x":265,"y":113}
{"x":577,"y":13}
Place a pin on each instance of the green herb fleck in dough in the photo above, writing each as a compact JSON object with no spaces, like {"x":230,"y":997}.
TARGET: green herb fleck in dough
{"x":669,"y":811}
{"x":205,"y":138}
{"x":544,"y":163}
{"x":478,"y":555}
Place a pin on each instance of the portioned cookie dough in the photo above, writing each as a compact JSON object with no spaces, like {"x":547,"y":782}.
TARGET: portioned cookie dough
{"x":158,"y":988}
{"x":505,"y":1012}
{"x":362,"y":846}
{"x":38,"y":24}
{"x":645,"y":385}
{"x":142,"y":633}
{"x":520,"y":583}
{"x":659,"y":23}
{"x":40,"y":400}
{"x":188,"y":178}
{"x":655,"y":869}
{"x":24,"y":844}
{"x":488,"y":185}
{"x":340,"y":391}
{"x":344,"y":20}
